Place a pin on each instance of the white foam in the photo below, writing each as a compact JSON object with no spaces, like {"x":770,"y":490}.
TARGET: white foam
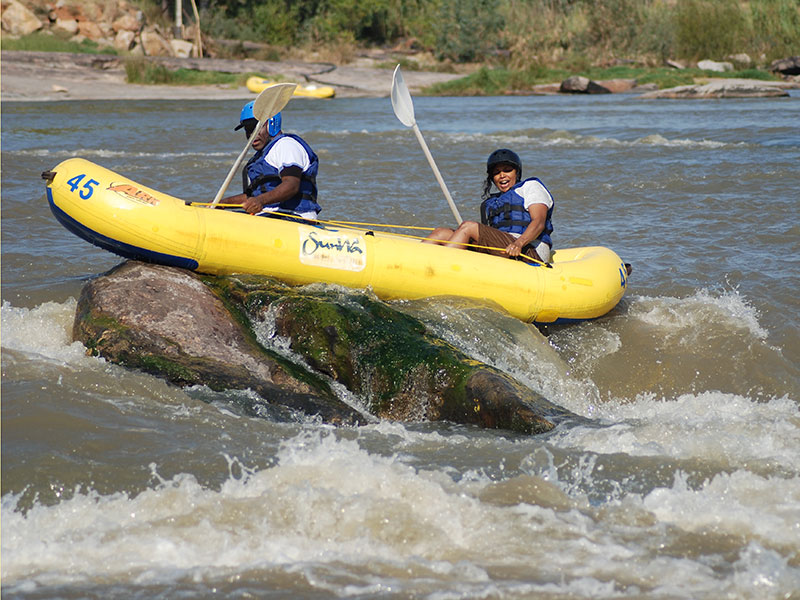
{"x":564,"y":138}
{"x":325,"y":500}
{"x":698,"y":312}
{"x":45,"y":330}
{"x":339,"y":514}
{"x":106,"y":153}
{"x":729,"y":429}
{"x":762,"y":509}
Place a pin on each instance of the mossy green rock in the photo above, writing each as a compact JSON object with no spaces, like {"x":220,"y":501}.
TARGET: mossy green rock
{"x":389,"y":359}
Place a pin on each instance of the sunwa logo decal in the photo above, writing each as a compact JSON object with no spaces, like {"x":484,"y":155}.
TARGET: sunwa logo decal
{"x":333,"y":250}
{"x":131,"y":192}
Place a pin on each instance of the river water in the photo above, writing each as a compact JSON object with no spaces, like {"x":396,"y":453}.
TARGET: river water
{"x":686,"y":485}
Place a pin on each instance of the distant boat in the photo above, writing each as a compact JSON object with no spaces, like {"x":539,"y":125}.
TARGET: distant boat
{"x":259,"y":84}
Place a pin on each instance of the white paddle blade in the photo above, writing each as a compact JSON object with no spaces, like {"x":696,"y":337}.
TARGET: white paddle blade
{"x":401,"y":99}
{"x":272,"y":100}
{"x":267,"y":104}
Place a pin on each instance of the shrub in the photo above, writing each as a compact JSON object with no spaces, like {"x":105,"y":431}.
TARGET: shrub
{"x":710,"y":28}
{"x":776,"y":28}
{"x":467,"y":30}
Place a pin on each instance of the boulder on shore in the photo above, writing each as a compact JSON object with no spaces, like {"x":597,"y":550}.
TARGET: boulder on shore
{"x":786,"y":66}
{"x":577,"y":84}
{"x":18,"y":20}
{"x":713,"y":65}
{"x":193,"y":329}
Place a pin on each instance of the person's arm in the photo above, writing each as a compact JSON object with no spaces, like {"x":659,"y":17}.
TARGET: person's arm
{"x":538,"y":213}
{"x":288,"y":187}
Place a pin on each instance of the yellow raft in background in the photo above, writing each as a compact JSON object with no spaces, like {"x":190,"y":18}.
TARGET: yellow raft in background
{"x":138,"y":222}
{"x":258,"y":85}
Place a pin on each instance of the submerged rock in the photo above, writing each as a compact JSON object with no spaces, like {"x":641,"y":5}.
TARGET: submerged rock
{"x":192,"y":329}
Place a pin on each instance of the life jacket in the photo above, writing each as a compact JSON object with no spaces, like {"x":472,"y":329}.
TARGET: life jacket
{"x":259,"y":177}
{"x":506,"y":211}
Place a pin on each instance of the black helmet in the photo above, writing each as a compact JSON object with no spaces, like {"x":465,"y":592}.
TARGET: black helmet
{"x":503,"y":155}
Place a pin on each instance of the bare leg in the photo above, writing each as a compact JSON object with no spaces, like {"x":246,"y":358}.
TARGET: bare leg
{"x":439,"y":236}
{"x":466,"y":233}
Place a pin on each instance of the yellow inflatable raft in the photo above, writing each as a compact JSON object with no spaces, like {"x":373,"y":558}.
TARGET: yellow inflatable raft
{"x":138,"y":222}
{"x":258,"y":85}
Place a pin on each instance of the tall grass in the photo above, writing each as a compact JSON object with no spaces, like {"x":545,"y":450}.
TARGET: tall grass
{"x":776,"y":28}
{"x":711,"y":28}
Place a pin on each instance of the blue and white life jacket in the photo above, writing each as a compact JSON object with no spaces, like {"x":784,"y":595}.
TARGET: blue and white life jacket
{"x":259,"y":177}
{"x":506,"y":211}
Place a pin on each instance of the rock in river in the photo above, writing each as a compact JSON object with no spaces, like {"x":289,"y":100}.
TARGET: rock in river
{"x":193,"y":329}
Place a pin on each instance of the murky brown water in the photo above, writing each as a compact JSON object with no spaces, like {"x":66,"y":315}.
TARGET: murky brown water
{"x":117,"y":485}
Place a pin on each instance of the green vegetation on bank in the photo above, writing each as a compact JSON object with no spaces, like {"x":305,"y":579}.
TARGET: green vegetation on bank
{"x":46,"y":42}
{"x":490,"y":82}
{"x":517,"y":33}
{"x":502,"y":46}
{"x":139,"y":70}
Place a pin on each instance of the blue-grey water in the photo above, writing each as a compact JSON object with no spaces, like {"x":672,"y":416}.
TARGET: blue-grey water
{"x":115,"y":484}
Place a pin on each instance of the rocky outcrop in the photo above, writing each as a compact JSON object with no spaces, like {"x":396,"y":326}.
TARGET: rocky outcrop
{"x":114,"y":24}
{"x":200,"y":330}
{"x":583,"y":85}
{"x":722,"y":88}
{"x":18,"y":20}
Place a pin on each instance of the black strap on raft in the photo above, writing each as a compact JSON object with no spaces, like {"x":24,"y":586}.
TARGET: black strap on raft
{"x":48,"y":176}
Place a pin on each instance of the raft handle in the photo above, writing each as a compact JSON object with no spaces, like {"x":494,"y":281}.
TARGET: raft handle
{"x":48,"y":176}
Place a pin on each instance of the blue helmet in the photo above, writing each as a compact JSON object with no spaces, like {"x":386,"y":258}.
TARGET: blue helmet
{"x":273,"y":125}
{"x":247,"y":111}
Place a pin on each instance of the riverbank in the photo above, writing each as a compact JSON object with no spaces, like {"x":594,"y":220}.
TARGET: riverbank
{"x":46,"y":76}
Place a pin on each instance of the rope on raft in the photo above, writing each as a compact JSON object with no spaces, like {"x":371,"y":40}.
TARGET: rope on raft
{"x":384,"y":225}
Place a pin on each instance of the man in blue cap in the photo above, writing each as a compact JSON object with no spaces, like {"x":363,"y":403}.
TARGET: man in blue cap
{"x":282,"y":175}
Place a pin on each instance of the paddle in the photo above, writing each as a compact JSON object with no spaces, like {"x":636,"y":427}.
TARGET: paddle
{"x":404,"y":109}
{"x":267,"y":104}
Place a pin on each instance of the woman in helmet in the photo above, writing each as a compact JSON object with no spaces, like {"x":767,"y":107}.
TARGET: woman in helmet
{"x":282,"y":175}
{"x":517,"y":219}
